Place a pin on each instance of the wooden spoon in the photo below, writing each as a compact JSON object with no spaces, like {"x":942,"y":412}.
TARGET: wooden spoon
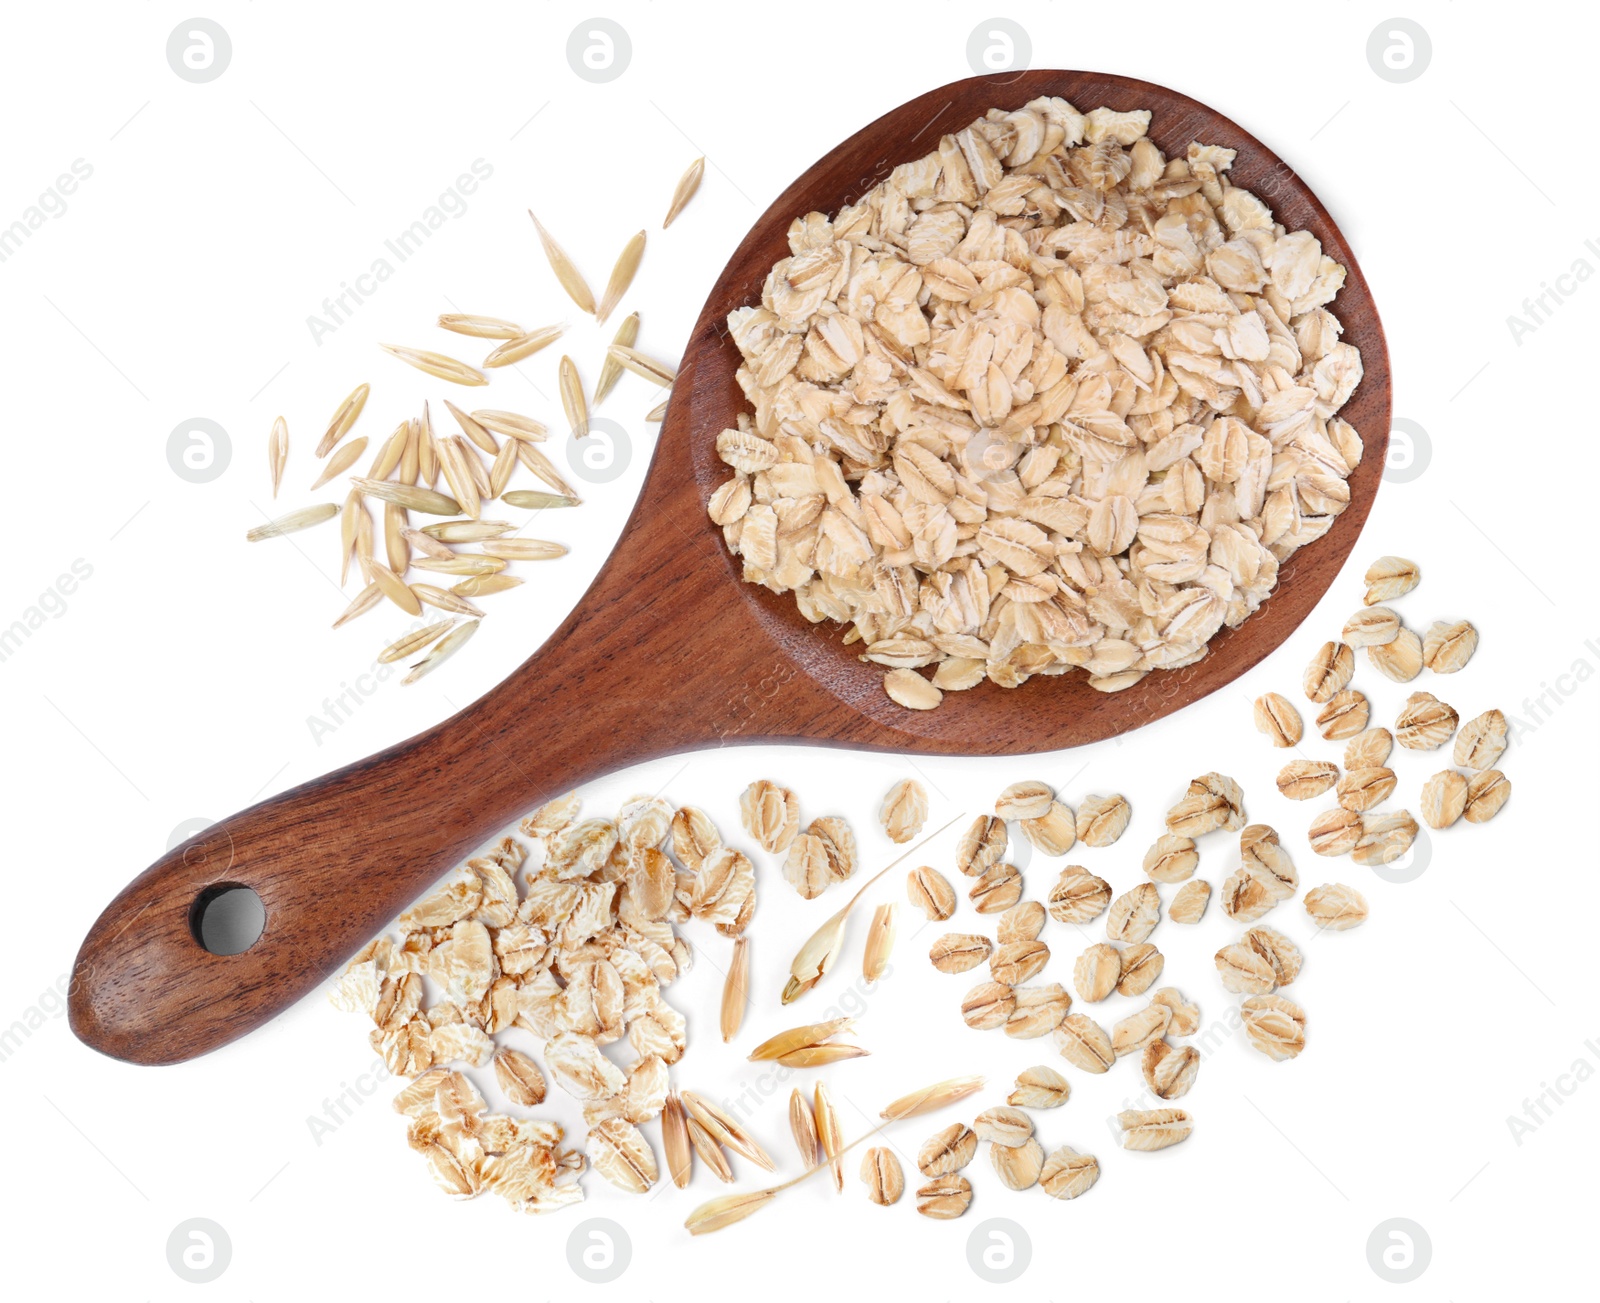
{"x":668,"y":650}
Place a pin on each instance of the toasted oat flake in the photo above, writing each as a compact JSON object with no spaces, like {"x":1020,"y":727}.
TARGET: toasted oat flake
{"x":1018,"y":1166}
{"x":982,"y":845}
{"x":931,"y":892}
{"x":1481,"y":741}
{"x":1102,"y":819}
{"x":1130,"y":1035}
{"x":944,"y":1197}
{"x":1052,"y":833}
{"x":1390,"y":577}
{"x":1024,"y":921}
{"x":1384,"y":838}
{"x":909,"y":689}
{"x":1066,"y":1173}
{"x":770,"y":813}
{"x":1276,"y":717}
{"x":1185,"y":1020}
{"x":1425,"y":723}
{"x":1017,"y":961}
{"x":1168,"y":1070}
{"x":1084,"y":1044}
{"x":1362,"y":789}
{"x":1447,"y":647}
{"x":988,"y":1005}
{"x":904,"y":811}
{"x":1371,"y":627}
{"x":1399,"y":660}
{"x":1171,"y":858}
{"x":1301,"y":780}
{"x":881,"y":1174}
{"x":1141,"y":966}
{"x":1329,"y":672}
{"x":1026,"y":800}
{"x":1334,"y":907}
{"x":1039,"y":1087}
{"x":1274,"y":1025}
{"x":1487,"y":792}
{"x":1078,"y":895}
{"x":1335,"y":832}
{"x":1189,"y":905}
{"x":1152,"y":1129}
{"x":1212,"y":801}
{"x":1370,"y":747}
{"x":1343,"y":716}
{"x":1134,"y":914}
{"x":1095,"y":974}
{"x":996,"y":890}
{"x":1444,"y":799}
{"x":947,"y":1150}
{"x":519,"y":1077}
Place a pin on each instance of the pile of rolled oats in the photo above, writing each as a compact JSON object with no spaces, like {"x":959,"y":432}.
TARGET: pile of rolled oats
{"x":578,"y":951}
{"x":576,"y":956}
{"x":1043,"y":399}
{"x":1256,"y":966}
{"x":1355,"y":827}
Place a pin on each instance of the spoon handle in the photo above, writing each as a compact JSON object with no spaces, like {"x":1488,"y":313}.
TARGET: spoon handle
{"x":336,"y":858}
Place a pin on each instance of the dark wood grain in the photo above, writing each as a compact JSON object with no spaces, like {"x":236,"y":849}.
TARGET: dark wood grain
{"x":667,"y":651}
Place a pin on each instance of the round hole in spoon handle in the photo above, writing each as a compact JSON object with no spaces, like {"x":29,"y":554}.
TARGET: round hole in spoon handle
{"x":668,"y":650}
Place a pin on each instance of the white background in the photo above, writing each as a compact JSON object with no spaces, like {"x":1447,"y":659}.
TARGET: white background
{"x":178,"y":680}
